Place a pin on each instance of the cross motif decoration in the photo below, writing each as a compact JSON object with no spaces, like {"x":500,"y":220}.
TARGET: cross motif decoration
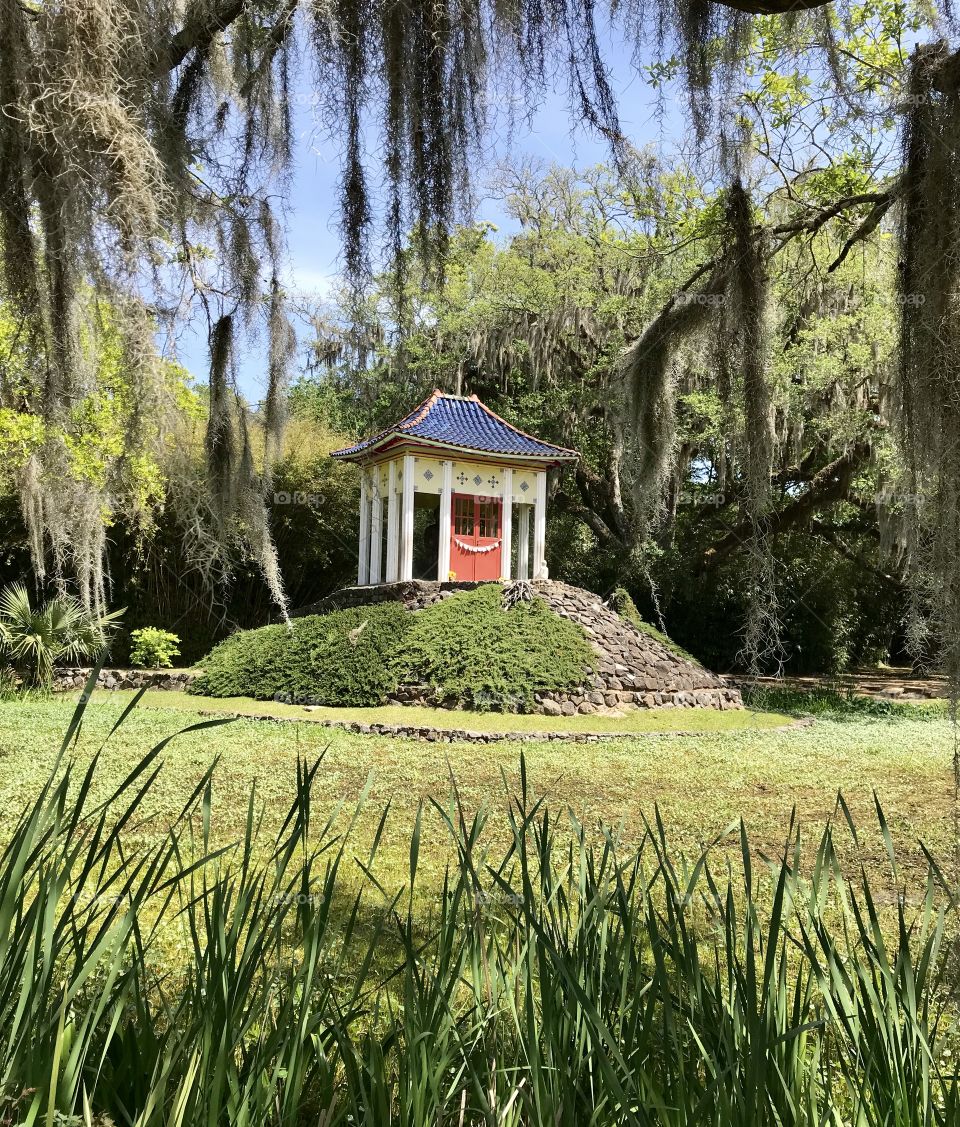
{"x":462,"y":478}
{"x":493,"y":482}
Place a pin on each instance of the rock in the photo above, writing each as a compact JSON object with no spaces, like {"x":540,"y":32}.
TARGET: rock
{"x":587,"y":707}
{"x":550,"y":707}
{"x":568,"y":708}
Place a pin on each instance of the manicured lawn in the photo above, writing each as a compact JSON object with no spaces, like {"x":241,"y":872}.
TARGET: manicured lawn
{"x":702,"y":783}
{"x":639,"y":721}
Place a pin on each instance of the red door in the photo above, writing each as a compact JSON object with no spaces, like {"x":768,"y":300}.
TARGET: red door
{"x":475,"y":537}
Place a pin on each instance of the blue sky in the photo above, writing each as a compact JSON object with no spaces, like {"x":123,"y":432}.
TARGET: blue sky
{"x":550,"y":136}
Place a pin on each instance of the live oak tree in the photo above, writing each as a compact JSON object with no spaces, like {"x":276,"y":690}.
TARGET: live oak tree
{"x":538,"y":325}
{"x":142,"y":147}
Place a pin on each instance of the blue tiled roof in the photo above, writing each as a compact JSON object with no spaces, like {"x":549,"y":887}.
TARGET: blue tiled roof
{"x":464,"y":423}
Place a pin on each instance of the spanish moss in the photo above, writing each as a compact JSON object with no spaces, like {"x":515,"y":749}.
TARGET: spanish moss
{"x":928,"y":374}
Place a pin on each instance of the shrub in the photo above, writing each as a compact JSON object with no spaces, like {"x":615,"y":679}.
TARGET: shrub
{"x":347,"y":658}
{"x":154,"y":648}
{"x":469,"y":648}
{"x":623,"y":604}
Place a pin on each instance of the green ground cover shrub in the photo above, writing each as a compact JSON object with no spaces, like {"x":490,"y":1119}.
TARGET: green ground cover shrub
{"x":154,"y":648}
{"x":623,"y":604}
{"x":470,"y":649}
{"x":347,"y":657}
{"x":467,"y":648}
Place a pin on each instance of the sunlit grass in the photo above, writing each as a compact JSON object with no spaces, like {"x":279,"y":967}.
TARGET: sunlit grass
{"x":629,"y":722}
{"x":702,"y":782}
{"x":202,"y":936}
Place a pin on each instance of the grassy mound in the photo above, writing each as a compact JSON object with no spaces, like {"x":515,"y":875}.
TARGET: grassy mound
{"x":621,"y":602}
{"x":345,"y":657}
{"x":467,"y":648}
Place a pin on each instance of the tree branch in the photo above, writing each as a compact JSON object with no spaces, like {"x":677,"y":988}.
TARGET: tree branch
{"x":833,"y":538}
{"x":200,"y":30}
{"x":772,"y":7}
{"x":829,"y":485}
{"x":564,"y":503}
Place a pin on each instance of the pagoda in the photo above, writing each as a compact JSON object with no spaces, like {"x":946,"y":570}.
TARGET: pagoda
{"x":438,"y":491}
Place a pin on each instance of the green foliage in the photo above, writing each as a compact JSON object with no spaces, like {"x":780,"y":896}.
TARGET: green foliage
{"x":469,"y":648}
{"x":536,"y":322}
{"x":347,"y":657}
{"x":624,"y":605}
{"x":838,"y":613}
{"x":719,"y":991}
{"x":840,"y":703}
{"x":154,"y":647}
{"x":35,"y":638}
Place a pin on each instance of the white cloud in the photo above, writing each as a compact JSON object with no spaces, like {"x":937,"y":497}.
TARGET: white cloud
{"x":309,"y":280}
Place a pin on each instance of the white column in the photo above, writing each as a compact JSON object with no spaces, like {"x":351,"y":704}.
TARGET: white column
{"x":406,"y":519}
{"x":540,"y":524}
{"x":393,"y":524}
{"x":363,"y":552}
{"x":506,"y":535}
{"x":446,"y":494}
{"x":376,"y":527}
{"x":523,"y":545}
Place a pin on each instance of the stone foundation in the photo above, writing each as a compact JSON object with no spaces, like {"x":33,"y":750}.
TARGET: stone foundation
{"x":633,"y":669}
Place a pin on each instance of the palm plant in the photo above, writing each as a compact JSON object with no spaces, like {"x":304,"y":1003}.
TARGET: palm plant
{"x":34,"y":638}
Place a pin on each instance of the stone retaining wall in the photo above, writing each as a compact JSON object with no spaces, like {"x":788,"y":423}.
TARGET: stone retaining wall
{"x":633,"y":669}
{"x":173,"y":679}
